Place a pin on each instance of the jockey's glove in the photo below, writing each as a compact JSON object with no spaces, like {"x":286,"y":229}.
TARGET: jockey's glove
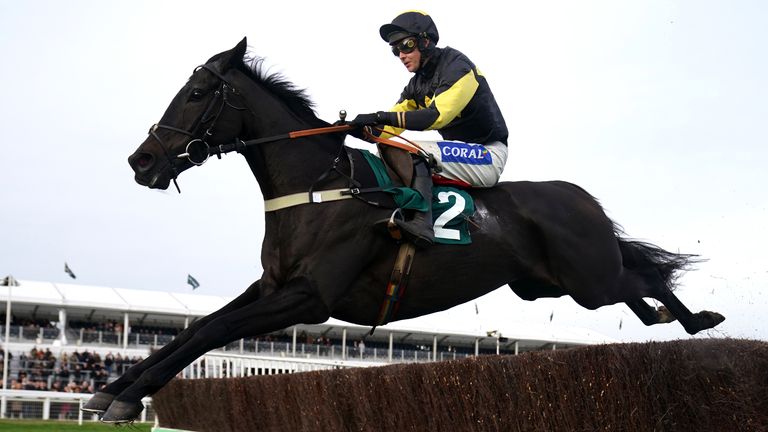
{"x":371,"y":119}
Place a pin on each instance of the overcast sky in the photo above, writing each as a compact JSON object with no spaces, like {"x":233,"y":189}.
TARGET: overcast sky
{"x":658,"y":108}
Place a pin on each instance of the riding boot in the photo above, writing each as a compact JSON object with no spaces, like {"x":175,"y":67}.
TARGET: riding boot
{"x":419,"y":229}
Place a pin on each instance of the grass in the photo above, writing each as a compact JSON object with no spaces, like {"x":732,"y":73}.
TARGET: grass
{"x":68,"y":426}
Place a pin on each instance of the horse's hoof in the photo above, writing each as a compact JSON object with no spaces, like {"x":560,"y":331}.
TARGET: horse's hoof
{"x":716,"y":318}
{"x":98,"y":403}
{"x":122,"y":412}
{"x":705,"y":320}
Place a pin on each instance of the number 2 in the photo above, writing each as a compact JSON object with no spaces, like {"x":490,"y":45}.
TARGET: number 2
{"x":458,"y":206}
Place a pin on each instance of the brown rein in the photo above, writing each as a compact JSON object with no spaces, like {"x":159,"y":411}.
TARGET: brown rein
{"x":218,"y":150}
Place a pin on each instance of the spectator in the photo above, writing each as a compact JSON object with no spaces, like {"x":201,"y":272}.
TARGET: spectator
{"x":77,"y":373}
{"x":86,"y":387}
{"x":109,"y":361}
{"x":119,"y":363}
{"x":100,"y":378}
{"x":28,"y":384}
{"x":57,"y":386}
{"x":64,"y":372}
{"x":72,"y":387}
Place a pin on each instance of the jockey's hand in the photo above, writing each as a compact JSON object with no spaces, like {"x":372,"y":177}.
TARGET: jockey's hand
{"x":359,"y":133}
{"x":371,"y":119}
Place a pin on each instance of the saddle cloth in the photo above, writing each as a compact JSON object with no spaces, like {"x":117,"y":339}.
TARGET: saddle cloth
{"x":451,"y":207}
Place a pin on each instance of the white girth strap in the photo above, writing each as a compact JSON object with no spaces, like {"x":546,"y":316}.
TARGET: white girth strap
{"x":304,"y":198}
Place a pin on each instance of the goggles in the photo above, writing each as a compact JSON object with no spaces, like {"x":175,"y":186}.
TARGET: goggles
{"x":405,"y":46}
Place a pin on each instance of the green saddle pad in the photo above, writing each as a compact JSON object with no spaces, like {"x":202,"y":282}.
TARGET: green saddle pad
{"x":451,"y":207}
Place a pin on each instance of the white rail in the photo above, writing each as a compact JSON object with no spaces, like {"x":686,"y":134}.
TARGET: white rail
{"x":215,"y":365}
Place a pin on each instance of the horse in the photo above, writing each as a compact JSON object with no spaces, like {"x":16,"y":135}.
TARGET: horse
{"x":322,"y":260}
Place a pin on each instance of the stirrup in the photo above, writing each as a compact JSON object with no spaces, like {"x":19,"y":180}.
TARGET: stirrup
{"x":390,"y":225}
{"x":399,"y":233}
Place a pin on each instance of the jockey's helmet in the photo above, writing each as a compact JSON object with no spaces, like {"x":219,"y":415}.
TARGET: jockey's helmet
{"x":410,"y":23}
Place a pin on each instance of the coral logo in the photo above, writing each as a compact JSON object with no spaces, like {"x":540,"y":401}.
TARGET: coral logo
{"x":473,"y":154}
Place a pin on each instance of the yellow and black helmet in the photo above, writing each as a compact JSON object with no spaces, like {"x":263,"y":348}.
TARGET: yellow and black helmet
{"x":410,"y":23}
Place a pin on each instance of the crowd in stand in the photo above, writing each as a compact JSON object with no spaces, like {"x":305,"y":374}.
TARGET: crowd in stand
{"x":28,"y":322}
{"x":76,"y":372}
{"x":108,"y":326}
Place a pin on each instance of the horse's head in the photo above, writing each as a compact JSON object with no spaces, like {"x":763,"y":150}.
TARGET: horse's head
{"x":207,"y":111}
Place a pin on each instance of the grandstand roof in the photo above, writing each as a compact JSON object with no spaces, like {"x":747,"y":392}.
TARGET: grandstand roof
{"x":44,"y":299}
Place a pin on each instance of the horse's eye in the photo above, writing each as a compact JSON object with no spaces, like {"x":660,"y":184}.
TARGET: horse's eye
{"x":196,"y":95}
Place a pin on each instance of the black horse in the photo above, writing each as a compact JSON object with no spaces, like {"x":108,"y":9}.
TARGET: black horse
{"x":543,"y":239}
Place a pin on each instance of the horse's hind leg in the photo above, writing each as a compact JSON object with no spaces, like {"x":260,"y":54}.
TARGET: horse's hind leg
{"x":649,"y":271}
{"x":692,"y":322}
{"x":104,"y":397}
{"x":633,"y":284}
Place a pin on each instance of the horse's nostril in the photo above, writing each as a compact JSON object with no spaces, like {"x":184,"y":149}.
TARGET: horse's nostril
{"x":144,"y":160}
{"x":141,"y":161}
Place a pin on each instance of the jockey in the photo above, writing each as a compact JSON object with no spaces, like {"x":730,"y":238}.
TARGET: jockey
{"x":449,"y":94}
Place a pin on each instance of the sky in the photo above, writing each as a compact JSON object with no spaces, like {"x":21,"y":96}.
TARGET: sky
{"x":657,"y":108}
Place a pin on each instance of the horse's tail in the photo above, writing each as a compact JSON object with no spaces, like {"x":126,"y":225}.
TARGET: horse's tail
{"x":652,"y":263}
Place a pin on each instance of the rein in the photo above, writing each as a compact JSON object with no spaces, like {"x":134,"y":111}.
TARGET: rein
{"x":240,"y":145}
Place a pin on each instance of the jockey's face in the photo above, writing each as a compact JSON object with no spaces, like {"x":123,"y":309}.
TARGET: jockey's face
{"x":412,"y":60}
{"x":408,"y":53}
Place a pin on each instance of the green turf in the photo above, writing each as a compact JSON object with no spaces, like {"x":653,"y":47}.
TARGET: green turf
{"x":68,"y":426}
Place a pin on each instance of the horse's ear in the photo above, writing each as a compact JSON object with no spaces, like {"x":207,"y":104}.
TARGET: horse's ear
{"x":230,"y":58}
{"x":238,"y":52}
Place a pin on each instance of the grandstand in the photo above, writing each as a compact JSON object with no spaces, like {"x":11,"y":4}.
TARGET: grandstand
{"x":67,"y":340}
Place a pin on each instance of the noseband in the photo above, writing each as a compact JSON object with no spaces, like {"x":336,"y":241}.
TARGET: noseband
{"x":197,"y":149}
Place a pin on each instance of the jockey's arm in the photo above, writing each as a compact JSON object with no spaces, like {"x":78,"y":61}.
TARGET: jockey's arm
{"x":449,"y":101}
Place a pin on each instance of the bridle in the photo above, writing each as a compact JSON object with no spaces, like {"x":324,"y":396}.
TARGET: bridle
{"x":198,"y":150}
{"x":211,"y":114}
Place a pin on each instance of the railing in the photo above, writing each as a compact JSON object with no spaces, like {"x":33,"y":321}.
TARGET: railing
{"x":47,"y":405}
{"x":232,"y":365}
{"x":31,"y":333}
{"x":280,"y":348}
{"x":84,"y":337}
{"x":337,"y":352}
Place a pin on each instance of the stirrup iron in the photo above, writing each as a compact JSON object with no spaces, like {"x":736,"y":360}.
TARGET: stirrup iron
{"x":392,"y":227}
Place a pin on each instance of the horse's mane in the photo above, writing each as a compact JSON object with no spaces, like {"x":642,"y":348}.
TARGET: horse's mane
{"x":296,"y":98}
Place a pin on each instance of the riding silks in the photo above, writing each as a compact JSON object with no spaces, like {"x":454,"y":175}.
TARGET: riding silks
{"x":451,"y":207}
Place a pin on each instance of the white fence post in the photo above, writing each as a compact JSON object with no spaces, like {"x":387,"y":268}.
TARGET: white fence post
{"x":46,"y":409}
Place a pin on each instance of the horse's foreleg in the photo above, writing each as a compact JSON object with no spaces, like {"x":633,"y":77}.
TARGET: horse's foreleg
{"x":103,"y":398}
{"x":295,"y":302}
